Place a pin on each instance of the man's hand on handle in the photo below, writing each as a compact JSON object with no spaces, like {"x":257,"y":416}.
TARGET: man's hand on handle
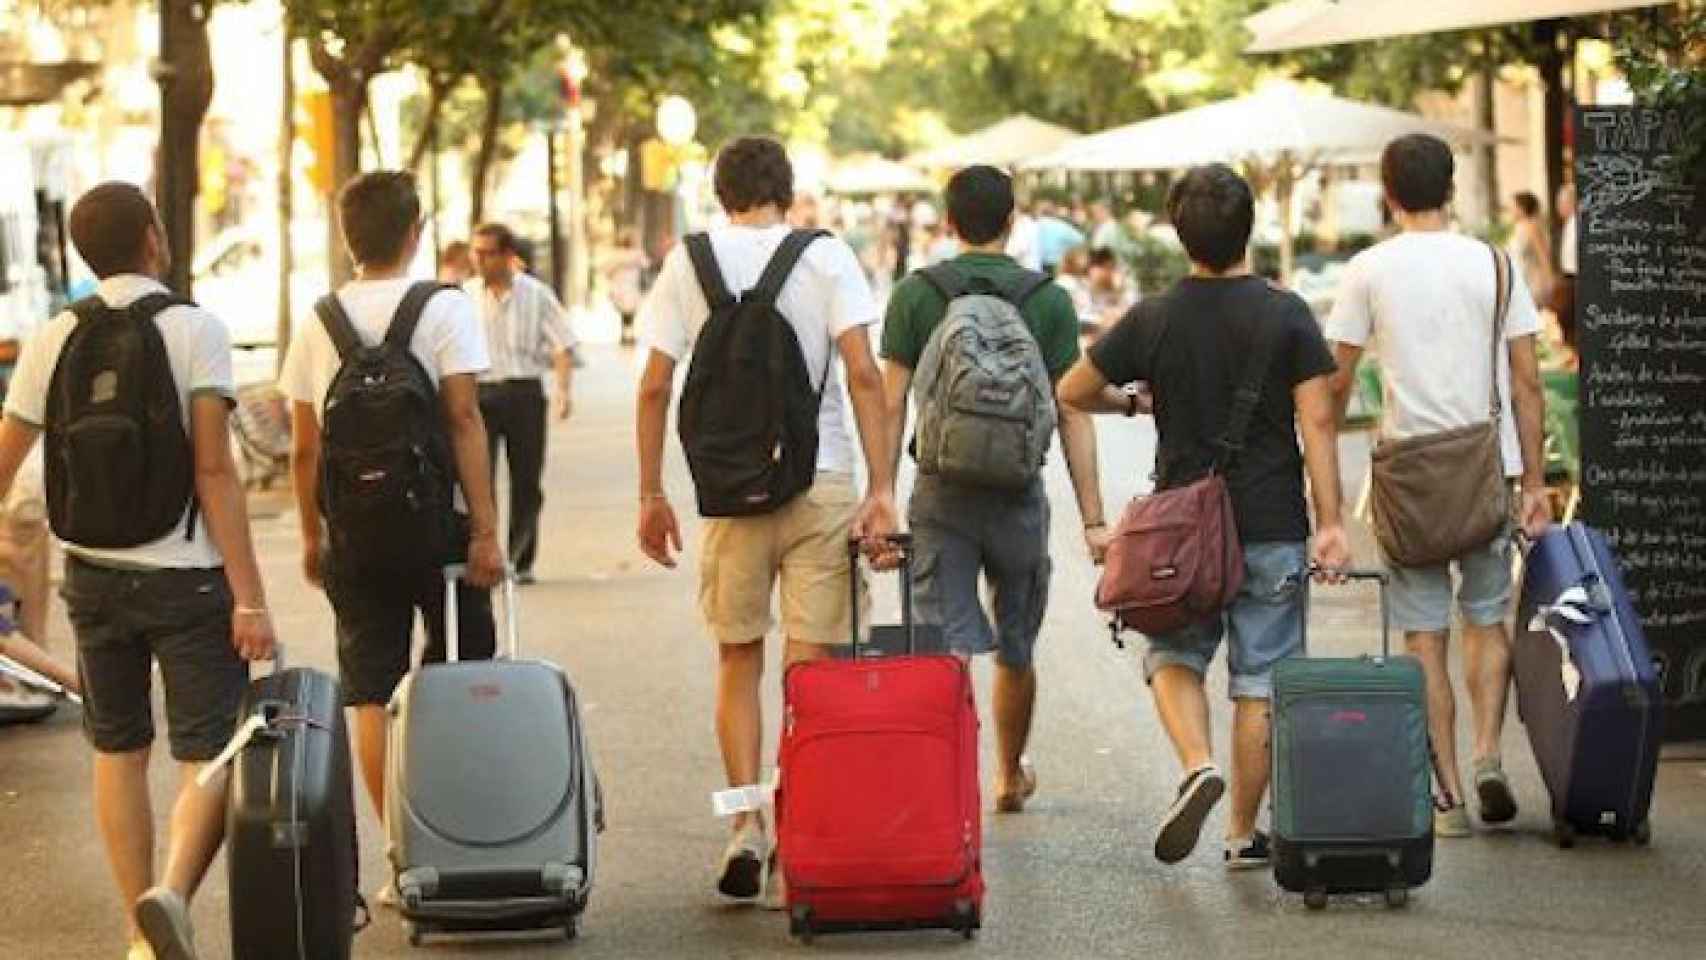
{"x":1097,"y":538}
{"x":873,"y":526}
{"x":660,"y":534}
{"x":1536,"y":512}
{"x":252,"y":632}
{"x":485,"y":561}
{"x":1331,"y":554}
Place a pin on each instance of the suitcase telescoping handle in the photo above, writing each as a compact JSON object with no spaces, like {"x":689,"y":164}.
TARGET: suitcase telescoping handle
{"x":453,"y":624}
{"x":904,"y":542}
{"x":1383,"y":579}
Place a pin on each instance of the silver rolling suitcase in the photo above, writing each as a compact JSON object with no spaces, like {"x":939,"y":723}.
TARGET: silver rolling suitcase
{"x":492,"y":805}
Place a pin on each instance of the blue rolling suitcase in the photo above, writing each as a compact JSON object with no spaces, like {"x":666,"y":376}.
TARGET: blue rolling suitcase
{"x":1587,"y":689}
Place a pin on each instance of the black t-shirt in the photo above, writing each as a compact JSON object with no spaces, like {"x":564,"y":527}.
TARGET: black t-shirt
{"x":1191,"y":345}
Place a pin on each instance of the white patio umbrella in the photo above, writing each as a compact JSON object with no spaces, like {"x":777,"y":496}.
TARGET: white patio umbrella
{"x":1319,"y":23}
{"x":1277,"y":134}
{"x":871,"y":174}
{"x":1005,"y":144}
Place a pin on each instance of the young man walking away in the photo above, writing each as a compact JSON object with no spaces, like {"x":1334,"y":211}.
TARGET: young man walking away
{"x":1190,"y":345}
{"x":827,"y":303}
{"x":375,"y":605}
{"x":527,"y":334}
{"x":962,"y":526}
{"x":1429,"y":296}
{"x":131,"y":389}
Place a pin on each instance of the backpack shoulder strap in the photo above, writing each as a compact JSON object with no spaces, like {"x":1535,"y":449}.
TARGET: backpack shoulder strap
{"x":90,"y":309}
{"x":338,"y":325}
{"x":408,"y":316}
{"x":1501,"y":309}
{"x":706,"y":270}
{"x":782,"y":263}
{"x":947,"y":279}
{"x":1249,"y":390}
{"x":1023,"y":286}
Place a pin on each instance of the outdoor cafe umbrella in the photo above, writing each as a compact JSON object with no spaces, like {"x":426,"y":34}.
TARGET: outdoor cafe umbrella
{"x":870,"y":175}
{"x":1319,"y":23}
{"x":1008,"y":143}
{"x":1277,"y":134}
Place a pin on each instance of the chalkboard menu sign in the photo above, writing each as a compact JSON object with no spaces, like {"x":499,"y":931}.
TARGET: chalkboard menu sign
{"x":1641,"y":314}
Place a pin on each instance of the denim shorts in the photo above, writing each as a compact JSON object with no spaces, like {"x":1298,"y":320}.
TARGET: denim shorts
{"x":1265,"y":623}
{"x":962,"y":535}
{"x":1421,"y":597}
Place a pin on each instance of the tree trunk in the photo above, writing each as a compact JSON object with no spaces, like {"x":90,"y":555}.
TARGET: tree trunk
{"x":186,"y":89}
{"x":1488,"y":156}
{"x":437,"y":89}
{"x":349,"y":96}
{"x":494,"y":88}
{"x":558,"y":271}
{"x":1551,"y":66}
{"x":1285,"y":179}
{"x":286,"y":213}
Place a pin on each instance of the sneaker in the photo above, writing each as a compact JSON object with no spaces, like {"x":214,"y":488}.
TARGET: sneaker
{"x":525,"y":578}
{"x":1251,"y":853}
{"x":1451,"y":818}
{"x":775,"y":885}
{"x":165,"y":922}
{"x":742,"y":871}
{"x":20,"y":704}
{"x":1498,"y":804}
{"x":1182,"y":826}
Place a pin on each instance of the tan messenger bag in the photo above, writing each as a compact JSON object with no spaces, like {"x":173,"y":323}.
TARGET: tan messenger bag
{"x":1440,"y":495}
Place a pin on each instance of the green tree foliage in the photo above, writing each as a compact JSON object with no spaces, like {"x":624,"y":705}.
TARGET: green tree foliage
{"x":1664,"y":57}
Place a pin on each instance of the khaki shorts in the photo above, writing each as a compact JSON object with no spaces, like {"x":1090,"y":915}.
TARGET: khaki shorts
{"x":806,"y":543}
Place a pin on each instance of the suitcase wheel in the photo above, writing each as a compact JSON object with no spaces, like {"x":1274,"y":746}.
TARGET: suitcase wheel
{"x":571,"y":928}
{"x":1315,"y":898}
{"x":800,"y":923}
{"x":1642,"y":834}
{"x":966,"y":919}
{"x":1397,"y":897}
{"x":1563,"y":834}
{"x":413,"y":931}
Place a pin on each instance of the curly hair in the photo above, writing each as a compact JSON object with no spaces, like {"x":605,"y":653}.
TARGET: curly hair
{"x":754,"y":172}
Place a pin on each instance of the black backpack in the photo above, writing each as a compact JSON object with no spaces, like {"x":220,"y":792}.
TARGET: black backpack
{"x":387,"y":487}
{"x":120,"y":468}
{"x":748,"y":418}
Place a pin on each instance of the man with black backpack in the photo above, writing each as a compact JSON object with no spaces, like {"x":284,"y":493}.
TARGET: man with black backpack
{"x":764,"y":311}
{"x":131,"y":389}
{"x":390,"y":460}
{"x":979,"y":341}
{"x":1219,"y":334}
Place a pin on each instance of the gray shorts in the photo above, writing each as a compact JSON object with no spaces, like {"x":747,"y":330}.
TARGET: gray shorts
{"x":1421,"y":596}
{"x":960,"y":533}
{"x":1265,"y":624}
{"x":127,"y":619}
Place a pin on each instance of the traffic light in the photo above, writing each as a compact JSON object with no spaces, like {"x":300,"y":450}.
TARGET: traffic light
{"x":315,"y":107}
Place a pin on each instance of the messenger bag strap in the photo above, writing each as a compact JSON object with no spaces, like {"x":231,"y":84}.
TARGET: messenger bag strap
{"x":705,"y":268}
{"x":1501,"y":308}
{"x":1249,"y":393}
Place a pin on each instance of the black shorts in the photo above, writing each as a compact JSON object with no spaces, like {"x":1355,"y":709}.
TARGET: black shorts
{"x":126,"y":619}
{"x":376,"y":625}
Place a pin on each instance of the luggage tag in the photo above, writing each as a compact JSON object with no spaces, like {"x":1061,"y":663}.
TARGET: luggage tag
{"x":1571,"y":605}
{"x":251,"y":728}
{"x":751,"y":798}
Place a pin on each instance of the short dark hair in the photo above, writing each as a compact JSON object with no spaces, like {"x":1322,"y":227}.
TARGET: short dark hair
{"x":1416,"y":171}
{"x":980,"y":203}
{"x":754,"y":172}
{"x":109,"y":226}
{"x":375,"y":212}
{"x":1103,"y":257}
{"x":498,"y":233}
{"x":1212,"y":209}
{"x":1528,"y":203}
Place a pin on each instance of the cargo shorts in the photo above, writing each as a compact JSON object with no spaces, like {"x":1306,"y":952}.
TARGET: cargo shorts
{"x":125,"y":621}
{"x":804,"y":545}
{"x":1421,"y":597}
{"x":1264,"y":624}
{"x":962,"y":534}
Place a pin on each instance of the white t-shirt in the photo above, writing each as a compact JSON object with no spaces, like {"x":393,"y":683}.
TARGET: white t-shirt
{"x":1567,"y":248}
{"x":1428,"y":298}
{"x":448,"y":340}
{"x":198,"y":347}
{"x":826,"y":296}
{"x":1022,"y":243}
{"x":525,"y":328}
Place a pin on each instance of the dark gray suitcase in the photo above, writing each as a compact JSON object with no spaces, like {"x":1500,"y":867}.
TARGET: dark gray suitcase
{"x":492,"y":806}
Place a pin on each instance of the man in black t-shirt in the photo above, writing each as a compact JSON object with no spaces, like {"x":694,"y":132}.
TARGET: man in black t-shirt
{"x":1190,"y":345}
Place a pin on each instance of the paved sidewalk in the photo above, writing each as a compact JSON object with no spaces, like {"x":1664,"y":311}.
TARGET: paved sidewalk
{"x":1071,"y":878}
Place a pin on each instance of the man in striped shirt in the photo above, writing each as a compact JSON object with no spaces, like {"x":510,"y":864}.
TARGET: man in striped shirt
{"x":528,"y":335}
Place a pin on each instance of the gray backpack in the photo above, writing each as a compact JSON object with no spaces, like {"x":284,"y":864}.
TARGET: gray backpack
{"x":985,"y":401}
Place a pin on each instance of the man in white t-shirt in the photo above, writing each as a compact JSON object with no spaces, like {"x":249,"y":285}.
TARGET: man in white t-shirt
{"x":380,"y":216}
{"x":804,"y":543}
{"x":190,"y":601}
{"x":1428,"y":297}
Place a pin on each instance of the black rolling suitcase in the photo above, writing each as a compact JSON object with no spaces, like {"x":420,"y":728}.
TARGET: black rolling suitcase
{"x":290,"y":827}
{"x":1352,"y":769}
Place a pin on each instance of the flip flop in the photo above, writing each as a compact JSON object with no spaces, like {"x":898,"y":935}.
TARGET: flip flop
{"x":1013,"y":801}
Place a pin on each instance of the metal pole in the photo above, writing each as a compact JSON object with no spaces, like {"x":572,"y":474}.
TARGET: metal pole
{"x":286,"y":204}
{"x":579,"y":251}
{"x":557,"y":264}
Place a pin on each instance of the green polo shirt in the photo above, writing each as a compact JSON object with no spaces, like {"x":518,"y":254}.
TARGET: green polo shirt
{"x":916,"y":307}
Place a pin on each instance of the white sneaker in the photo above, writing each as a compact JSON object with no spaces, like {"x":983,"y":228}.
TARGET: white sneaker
{"x":165,"y":922}
{"x":21,"y":704}
{"x":742,"y":873}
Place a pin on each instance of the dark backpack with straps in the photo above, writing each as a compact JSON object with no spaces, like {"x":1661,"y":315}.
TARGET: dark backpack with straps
{"x":986,"y":410}
{"x":387,"y":487}
{"x":120,"y":468}
{"x":749,"y":409}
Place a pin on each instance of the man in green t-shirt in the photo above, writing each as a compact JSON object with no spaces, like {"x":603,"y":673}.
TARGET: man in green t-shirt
{"x":961,"y":530}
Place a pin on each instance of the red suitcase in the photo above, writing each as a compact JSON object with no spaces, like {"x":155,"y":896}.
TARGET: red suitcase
{"x":878,"y":814}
